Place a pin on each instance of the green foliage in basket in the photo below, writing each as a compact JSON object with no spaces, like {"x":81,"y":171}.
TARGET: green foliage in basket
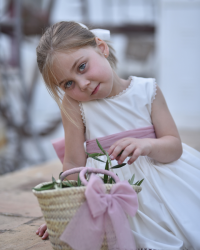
{"x":106,"y":179}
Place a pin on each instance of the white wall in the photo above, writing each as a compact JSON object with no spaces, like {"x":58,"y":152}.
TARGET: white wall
{"x":178,"y":43}
{"x":102,"y":12}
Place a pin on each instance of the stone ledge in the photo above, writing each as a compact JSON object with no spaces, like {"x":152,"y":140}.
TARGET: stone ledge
{"x":20,"y":214}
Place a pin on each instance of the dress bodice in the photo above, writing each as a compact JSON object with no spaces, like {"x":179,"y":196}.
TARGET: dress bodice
{"x":131,"y":109}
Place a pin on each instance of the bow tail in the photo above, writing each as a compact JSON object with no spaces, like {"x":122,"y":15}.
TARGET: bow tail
{"x":110,"y":233}
{"x":83,"y":231}
{"x":121,"y":228}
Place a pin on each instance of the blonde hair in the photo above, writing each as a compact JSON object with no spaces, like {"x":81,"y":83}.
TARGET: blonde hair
{"x":64,"y":37}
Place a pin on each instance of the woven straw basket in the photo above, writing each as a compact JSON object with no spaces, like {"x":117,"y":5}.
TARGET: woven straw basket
{"x":59,"y":206}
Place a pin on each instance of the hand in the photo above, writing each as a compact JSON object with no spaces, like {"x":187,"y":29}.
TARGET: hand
{"x":131,"y":147}
{"x":42,"y":231}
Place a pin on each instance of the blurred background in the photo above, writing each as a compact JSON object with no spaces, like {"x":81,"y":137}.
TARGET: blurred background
{"x":152,"y":38}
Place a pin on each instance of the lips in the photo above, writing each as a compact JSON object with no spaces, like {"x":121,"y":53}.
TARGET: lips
{"x":96,"y":89}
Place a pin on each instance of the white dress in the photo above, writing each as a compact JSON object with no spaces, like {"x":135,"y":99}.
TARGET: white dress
{"x":169,"y":203}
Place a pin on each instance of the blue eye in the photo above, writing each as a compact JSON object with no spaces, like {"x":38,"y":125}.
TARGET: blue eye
{"x":82,"y":67}
{"x":68,"y":84}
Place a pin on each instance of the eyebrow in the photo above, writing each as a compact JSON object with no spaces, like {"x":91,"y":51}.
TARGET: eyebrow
{"x":74,"y":65}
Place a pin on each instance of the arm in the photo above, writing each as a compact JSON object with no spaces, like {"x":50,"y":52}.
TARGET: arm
{"x":74,"y":137}
{"x":165,"y":148}
{"x":74,"y":150}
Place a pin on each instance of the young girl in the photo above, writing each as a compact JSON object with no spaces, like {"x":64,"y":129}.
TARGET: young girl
{"x":129,"y":115}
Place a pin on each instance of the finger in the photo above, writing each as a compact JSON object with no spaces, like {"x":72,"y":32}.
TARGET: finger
{"x":135,"y":155}
{"x":117,"y":158}
{"x":119,"y":155}
{"x":45,"y":236}
{"x":113,"y":146}
{"x":118,"y":149}
{"x":42,"y":230}
{"x":38,"y":231}
{"x":127,"y":151}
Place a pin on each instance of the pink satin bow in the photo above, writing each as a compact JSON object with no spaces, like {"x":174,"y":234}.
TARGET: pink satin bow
{"x":103,"y":213}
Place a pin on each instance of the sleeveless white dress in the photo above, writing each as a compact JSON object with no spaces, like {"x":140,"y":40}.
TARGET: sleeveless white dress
{"x":169,"y":203}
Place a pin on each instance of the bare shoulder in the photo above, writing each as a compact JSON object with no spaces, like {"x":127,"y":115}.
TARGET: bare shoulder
{"x":161,"y":117}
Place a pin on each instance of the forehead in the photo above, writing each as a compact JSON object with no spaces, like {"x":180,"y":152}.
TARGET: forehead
{"x":70,"y":56}
{"x":63,"y":61}
{"x":66,"y":58}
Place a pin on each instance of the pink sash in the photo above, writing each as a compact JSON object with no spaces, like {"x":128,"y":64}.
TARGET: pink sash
{"x":106,"y":141}
{"x":59,"y":146}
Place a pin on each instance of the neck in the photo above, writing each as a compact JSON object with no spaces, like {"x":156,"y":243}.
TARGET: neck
{"x":119,"y":84}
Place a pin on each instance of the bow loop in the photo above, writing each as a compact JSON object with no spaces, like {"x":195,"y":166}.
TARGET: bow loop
{"x":95,"y":195}
{"x":124,"y":194}
{"x":101,"y":33}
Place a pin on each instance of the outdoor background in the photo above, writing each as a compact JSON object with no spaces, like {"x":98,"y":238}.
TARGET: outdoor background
{"x":152,"y":38}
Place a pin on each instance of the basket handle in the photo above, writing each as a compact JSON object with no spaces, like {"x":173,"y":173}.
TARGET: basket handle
{"x":84,"y":170}
{"x":70,"y":171}
{"x":95,"y":170}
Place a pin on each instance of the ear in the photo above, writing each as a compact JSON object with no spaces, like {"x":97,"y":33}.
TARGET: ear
{"x":102,"y":46}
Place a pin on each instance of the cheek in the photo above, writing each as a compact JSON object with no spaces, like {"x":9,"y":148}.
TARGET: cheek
{"x":77,"y":95}
{"x":94,"y":73}
{"x":100,"y":70}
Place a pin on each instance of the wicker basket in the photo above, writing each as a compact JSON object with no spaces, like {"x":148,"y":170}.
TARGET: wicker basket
{"x":59,"y":206}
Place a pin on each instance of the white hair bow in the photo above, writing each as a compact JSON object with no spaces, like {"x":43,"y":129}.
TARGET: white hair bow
{"x":101,"y":33}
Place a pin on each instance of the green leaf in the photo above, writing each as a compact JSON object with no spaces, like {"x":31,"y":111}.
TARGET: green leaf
{"x":79,"y":181}
{"x":98,"y":159}
{"x":105,"y":178}
{"x":108,"y":158}
{"x":99,"y":145}
{"x":95,"y":158}
{"x":140,"y":182}
{"x":45,"y":187}
{"x":118,"y":166}
{"x":111,"y":180}
{"x":53,"y":180}
{"x":94,"y":154}
{"x":88,"y":176}
{"x":67,"y":184}
{"x":70,"y":184}
{"x":132,"y":179}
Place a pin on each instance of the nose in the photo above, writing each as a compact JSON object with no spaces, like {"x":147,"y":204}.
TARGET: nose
{"x":83,"y":84}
